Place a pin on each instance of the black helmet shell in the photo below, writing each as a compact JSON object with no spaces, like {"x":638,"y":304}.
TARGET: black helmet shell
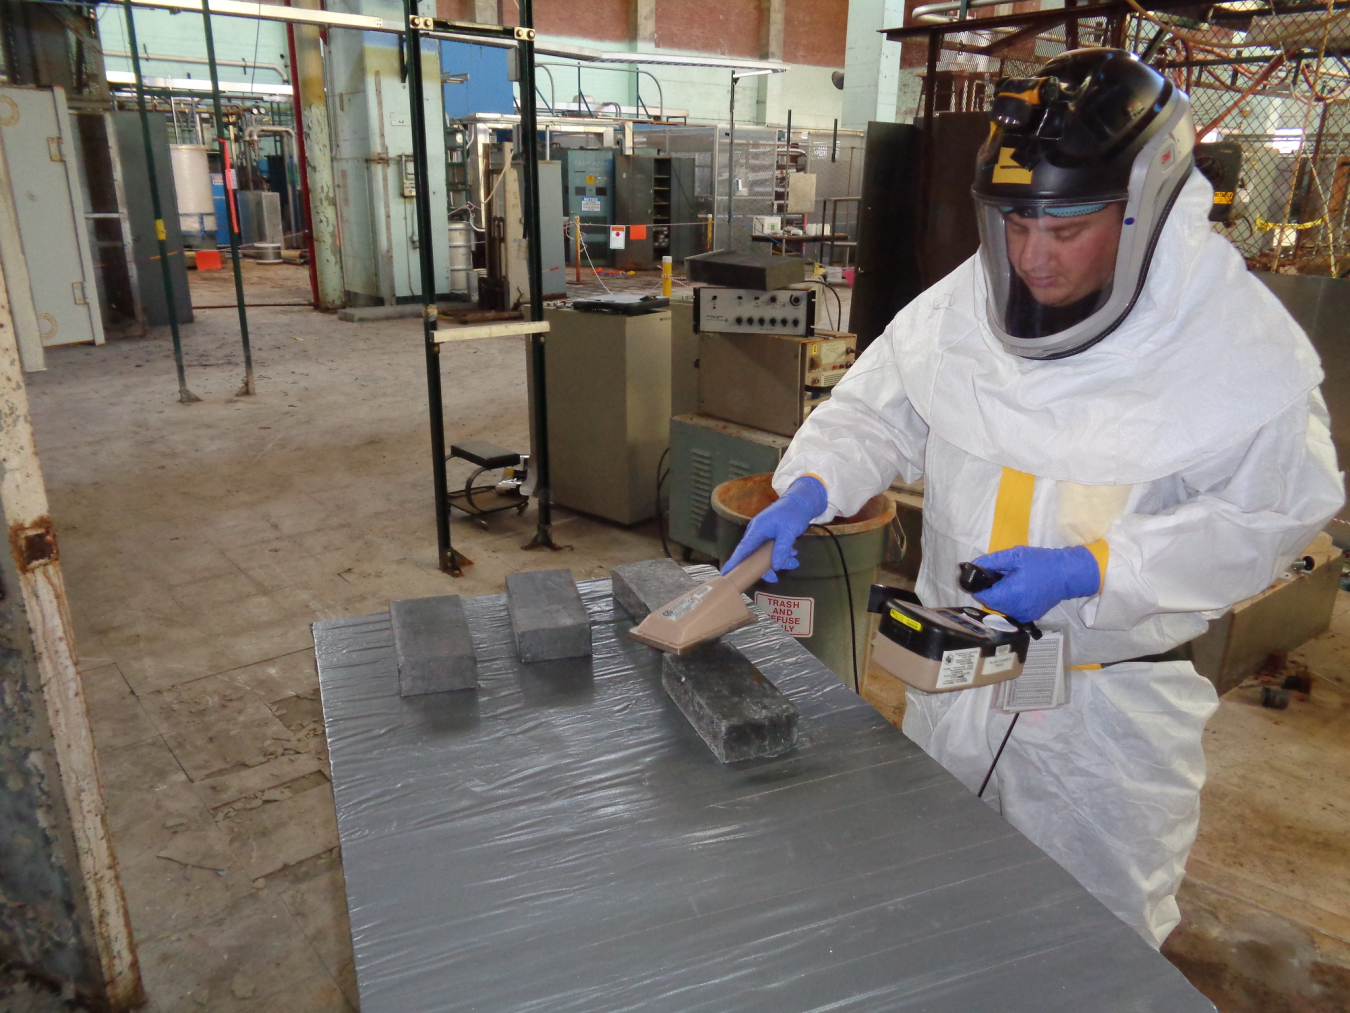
{"x":1071,"y":134}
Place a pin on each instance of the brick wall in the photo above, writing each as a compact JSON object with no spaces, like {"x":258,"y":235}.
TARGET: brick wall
{"x":725,"y":27}
{"x":603,"y":20}
{"x":815,"y":32}
{"x":455,"y":10}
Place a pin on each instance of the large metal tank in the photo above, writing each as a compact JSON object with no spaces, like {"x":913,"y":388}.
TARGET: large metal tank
{"x":192,"y":185}
{"x":462,"y":280}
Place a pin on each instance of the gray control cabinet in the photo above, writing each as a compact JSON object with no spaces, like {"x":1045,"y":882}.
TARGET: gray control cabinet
{"x":588,"y":193}
{"x":608,"y":410}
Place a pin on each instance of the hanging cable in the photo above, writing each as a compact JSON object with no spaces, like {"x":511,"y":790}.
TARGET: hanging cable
{"x":852,"y":619}
{"x":985,"y":783}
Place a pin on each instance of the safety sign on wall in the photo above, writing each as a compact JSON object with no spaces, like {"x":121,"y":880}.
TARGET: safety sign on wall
{"x":590,"y":206}
{"x":797,"y":616}
{"x":618,"y":237}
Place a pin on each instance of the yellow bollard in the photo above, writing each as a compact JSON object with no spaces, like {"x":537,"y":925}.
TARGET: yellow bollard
{"x":576,"y":241}
{"x":667,"y":265}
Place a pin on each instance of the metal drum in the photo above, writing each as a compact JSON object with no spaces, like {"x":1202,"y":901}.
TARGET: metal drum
{"x":462,"y":281}
{"x":812,"y":602}
{"x":192,"y":185}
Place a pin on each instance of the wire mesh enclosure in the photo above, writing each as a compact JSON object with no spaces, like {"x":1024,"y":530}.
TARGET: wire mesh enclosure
{"x":1268,"y":79}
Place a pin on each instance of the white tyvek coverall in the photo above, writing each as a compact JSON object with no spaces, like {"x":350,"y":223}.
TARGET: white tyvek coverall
{"x":1193,"y":439}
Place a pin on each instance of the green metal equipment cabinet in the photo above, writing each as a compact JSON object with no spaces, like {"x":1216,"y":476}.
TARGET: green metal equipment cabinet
{"x":704,"y":453}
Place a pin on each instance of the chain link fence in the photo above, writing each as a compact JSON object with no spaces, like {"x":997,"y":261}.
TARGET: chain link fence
{"x":1291,"y":205}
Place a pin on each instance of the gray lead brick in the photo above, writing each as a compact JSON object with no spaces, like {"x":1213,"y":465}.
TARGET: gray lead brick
{"x":547,"y":615}
{"x":740,"y":714}
{"x":433,"y":645}
{"x":642,"y":588}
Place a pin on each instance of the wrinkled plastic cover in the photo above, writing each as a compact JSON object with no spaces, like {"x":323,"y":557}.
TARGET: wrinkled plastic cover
{"x":561,"y":841}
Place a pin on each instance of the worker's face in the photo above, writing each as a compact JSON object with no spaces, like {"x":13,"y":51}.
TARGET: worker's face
{"x":1062,"y":260}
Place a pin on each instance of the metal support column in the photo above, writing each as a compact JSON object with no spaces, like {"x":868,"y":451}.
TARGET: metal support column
{"x":184,"y":395}
{"x":529,"y":155}
{"x":447,"y":558}
{"x":313,"y":128}
{"x":306,"y":225}
{"x":731,"y":156}
{"x":231,"y":206}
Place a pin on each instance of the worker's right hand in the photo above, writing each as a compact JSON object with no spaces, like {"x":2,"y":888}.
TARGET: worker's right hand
{"x":783,"y":521}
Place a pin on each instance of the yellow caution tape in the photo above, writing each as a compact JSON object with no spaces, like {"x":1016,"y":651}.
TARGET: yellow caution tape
{"x":1265,"y":226}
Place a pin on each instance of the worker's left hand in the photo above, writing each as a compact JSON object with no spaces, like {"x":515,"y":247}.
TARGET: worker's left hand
{"x":1036,"y":580}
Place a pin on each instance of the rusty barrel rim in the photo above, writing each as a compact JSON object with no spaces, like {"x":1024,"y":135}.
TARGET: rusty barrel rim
{"x":740,"y":499}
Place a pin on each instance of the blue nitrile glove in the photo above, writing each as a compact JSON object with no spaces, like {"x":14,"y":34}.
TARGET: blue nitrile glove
{"x":1036,"y":580}
{"x":784,"y":521}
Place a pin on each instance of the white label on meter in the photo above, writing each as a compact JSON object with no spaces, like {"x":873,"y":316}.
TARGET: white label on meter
{"x":1002,"y":661}
{"x":958,"y":668}
{"x":797,"y":616}
{"x":685,"y":604}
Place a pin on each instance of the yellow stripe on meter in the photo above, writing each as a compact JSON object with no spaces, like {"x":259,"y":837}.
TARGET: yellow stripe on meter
{"x":899,"y":616}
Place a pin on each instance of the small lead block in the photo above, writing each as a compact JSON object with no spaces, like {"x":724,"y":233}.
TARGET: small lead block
{"x":433,"y":645}
{"x":740,"y":714}
{"x":642,"y":588}
{"x":547,"y":615}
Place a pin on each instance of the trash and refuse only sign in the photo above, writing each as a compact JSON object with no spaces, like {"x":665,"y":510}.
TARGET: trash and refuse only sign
{"x":797,"y":616}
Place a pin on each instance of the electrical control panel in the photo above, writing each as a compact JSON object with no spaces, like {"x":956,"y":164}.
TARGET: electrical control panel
{"x":409,"y":175}
{"x":789,"y":311}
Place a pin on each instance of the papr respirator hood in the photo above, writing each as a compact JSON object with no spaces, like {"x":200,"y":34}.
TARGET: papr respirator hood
{"x":1073,"y":185}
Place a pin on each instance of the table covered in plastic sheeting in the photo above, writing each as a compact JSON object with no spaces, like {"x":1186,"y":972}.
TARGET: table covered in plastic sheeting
{"x":561,"y":841}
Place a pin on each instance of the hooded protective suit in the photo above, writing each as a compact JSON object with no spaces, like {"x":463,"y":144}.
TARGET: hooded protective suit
{"x":1193,"y":442}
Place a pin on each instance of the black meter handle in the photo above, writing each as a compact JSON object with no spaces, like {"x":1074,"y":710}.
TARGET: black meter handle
{"x":975,"y":579}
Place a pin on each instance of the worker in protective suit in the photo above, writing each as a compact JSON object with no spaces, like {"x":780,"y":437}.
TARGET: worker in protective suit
{"x":1108,"y":410}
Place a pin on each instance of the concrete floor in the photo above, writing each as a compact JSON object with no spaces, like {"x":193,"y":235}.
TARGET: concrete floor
{"x":199,"y":542}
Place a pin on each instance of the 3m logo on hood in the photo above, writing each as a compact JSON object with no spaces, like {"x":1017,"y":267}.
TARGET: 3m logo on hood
{"x":1008,"y":171}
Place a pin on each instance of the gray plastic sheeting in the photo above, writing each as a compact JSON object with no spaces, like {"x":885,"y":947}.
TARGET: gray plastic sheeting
{"x":562,"y":841}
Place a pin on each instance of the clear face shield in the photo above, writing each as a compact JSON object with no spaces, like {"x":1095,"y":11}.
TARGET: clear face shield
{"x":1050,"y":266}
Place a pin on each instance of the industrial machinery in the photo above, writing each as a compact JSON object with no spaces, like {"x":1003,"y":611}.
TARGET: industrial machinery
{"x":762,"y":362}
{"x":608,"y":409}
{"x":588,"y":194}
{"x":704,"y":453}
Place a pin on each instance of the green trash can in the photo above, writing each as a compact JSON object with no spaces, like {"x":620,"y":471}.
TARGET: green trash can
{"x":812,"y":601}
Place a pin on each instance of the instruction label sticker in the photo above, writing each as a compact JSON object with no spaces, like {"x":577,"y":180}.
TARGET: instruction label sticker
{"x":1042,"y":685}
{"x":590,"y":205}
{"x":685,"y":604}
{"x":797,"y":616}
{"x":958,"y":668}
{"x":1003,"y":660}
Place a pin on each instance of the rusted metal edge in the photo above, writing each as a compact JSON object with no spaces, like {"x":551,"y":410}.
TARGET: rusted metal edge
{"x":33,"y":545}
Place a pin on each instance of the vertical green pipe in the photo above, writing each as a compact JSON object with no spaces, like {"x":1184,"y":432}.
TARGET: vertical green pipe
{"x":448,"y":559}
{"x":231,"y":209}
{"x":184,"y":395}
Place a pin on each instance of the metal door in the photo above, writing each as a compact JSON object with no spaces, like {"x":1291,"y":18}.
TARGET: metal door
{"x":40,"y":154}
